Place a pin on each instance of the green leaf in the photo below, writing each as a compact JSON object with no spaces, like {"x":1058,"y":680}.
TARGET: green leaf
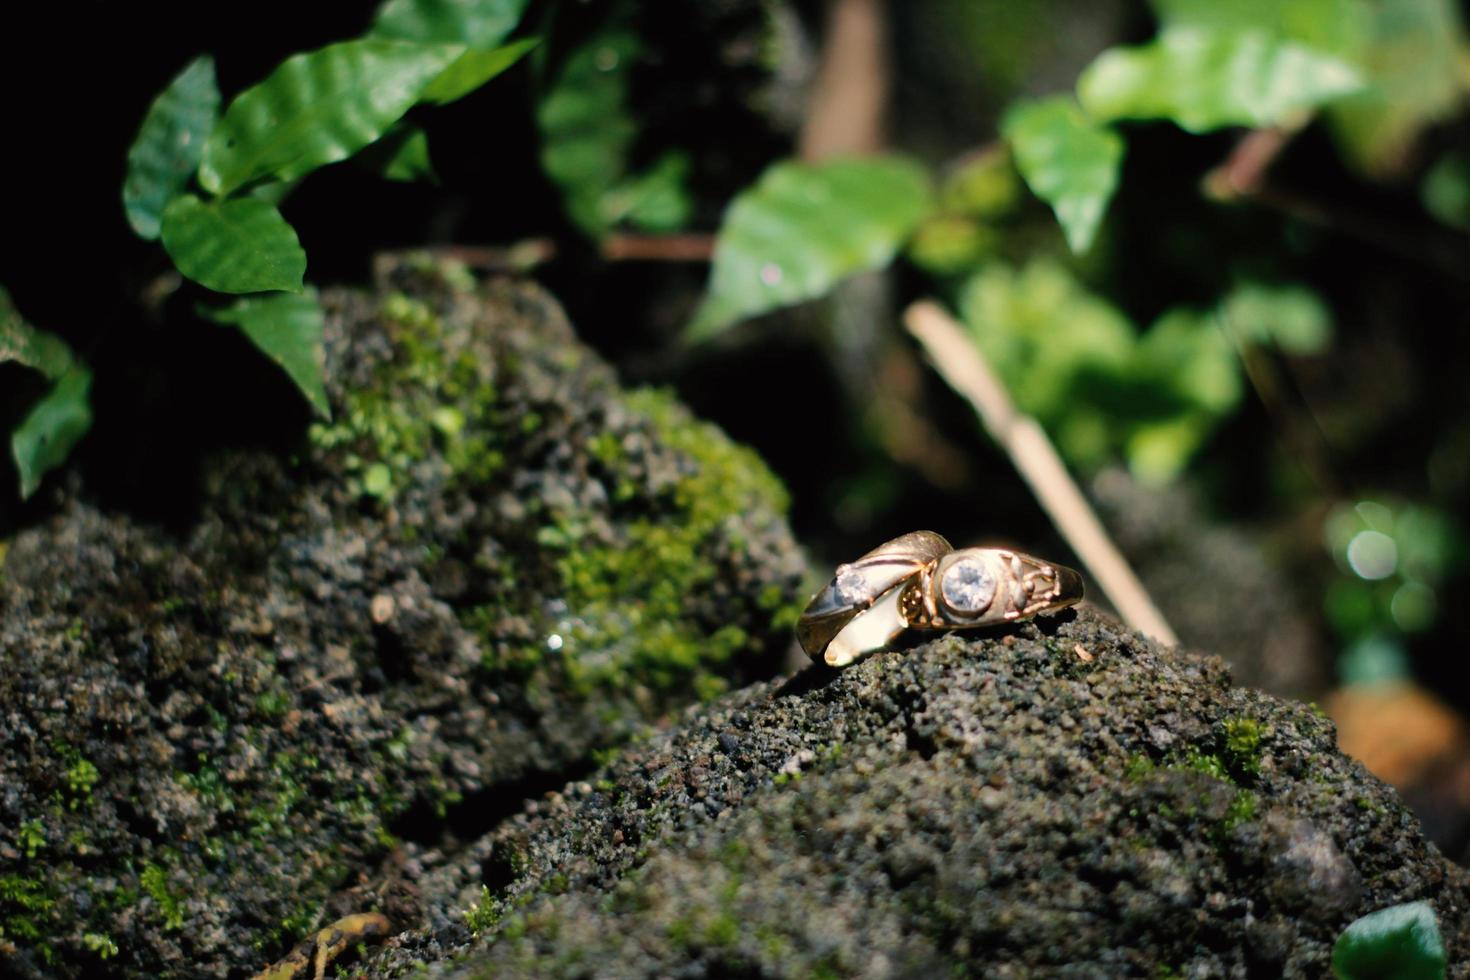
{"x":1290,"y":317}
{"x":54,"y":425}
{"x":288,"y":329}
{"x":474,"y":68}
{"x":1159,"y":451}
{"x":1187,"y":376}
{"x":169,"y":145}
{"x":475,"y":23}
{"x":241,"y":245}
{"x":1446,"y":190}
{"x":1401,"y":942}
{"x":656,"y":200}
{"x":401,"y":155}
{"x":318,"y":108}
{"x":1413,"y":56}
{"x":951,"y":244}
{"x":1408,"y":52}
{"x":1335,"y":27}
{"x":1051,"y":341}
{"x":1188,"y":354}
{"x":275,"y":191}
{"x":586,"y":130}
{"x":803,"y":228}
{"x":1206,"y":79}
{"x":1068,"y":161}
{"x":24,"y":344}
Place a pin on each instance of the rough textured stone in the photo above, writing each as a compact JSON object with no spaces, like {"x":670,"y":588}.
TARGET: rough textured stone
{"x":1061,"y":799}
{"x":493,"y":562}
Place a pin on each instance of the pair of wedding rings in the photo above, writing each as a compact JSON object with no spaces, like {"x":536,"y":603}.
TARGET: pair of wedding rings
{"x":920,"y":581}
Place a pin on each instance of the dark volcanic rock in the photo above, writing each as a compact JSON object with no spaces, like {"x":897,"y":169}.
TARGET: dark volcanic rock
{"x":492,"y":563}
{"x":1065,"y":800}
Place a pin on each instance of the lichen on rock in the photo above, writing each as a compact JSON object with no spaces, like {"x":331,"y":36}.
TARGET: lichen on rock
{"x":1061,"y":798}
{"x":492,"y":563}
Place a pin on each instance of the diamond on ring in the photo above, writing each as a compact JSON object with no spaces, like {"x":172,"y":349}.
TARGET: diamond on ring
{"x":850,"y":584}
{"x":968,"y":586}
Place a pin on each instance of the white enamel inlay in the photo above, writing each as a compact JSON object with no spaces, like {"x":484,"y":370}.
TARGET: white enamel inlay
{"x":870,"y":630}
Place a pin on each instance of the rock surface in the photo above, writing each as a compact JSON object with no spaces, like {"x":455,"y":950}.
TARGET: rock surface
{"x":493,"y":562}
{"x":1061,"y":799}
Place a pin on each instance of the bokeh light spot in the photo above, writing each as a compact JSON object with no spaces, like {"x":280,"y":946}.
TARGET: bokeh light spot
{"x":1372,"y":555}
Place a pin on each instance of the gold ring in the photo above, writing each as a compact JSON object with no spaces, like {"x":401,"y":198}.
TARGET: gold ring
{"x":858,"y":610}
{"x":985,"y":586}
{"x":919,"y":581}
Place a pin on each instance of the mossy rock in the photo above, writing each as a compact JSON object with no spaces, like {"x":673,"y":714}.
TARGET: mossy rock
{"x":1057,"y":799}
{"x":491,"y":564}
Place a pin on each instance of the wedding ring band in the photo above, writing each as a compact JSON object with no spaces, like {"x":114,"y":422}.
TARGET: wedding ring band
{"x":857,"y":588}
{"x":985,"y":586}
{"x":919,"y":581}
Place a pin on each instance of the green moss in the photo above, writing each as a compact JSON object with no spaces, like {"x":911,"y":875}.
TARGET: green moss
{"x":723,"y":931}
{"x":30,"y":838}
{"x":420,"y":401}
{"x":1243,"y":746}
{"x":25,"y":908}
{"x":784,"y":608}
{"x":483,"y":915}
{"x":772,"y":943}
{"x":101,"y":944}
{"x":154,"y":882}
{"x":1205,"y":762}
{"x":827,"y":968}
{"x":81,"y":776}
{"x":1242,"y":809}
{"x":1369,"y":806}
{"x":681,"y":933}
{"x":300,"y":921}
{"x":631,"y":598}
{"x":272,"y":704}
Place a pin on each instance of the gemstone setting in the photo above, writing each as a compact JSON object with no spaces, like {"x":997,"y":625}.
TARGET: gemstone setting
{"x":850,"y":585}
{"x":968,"y":586}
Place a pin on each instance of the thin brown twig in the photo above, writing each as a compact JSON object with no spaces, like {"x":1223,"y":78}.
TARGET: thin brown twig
{"x":625,"y":247}
{"x":517,"y":257}
{"x":1244,"y":172}
{"x":960,"y":363}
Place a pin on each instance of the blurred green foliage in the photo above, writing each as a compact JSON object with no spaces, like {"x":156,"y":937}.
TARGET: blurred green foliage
{"x":1068,"y":159}
{"x":1205,"y":79}
{"x":588,"y":130}
{"x":62,"y":415}
{"x":803,"y":228}
{"x":1446,"y":190}
{"x":1104,"y":389}
{"x":1408,"y":53}
{"x":1393,"y":561}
